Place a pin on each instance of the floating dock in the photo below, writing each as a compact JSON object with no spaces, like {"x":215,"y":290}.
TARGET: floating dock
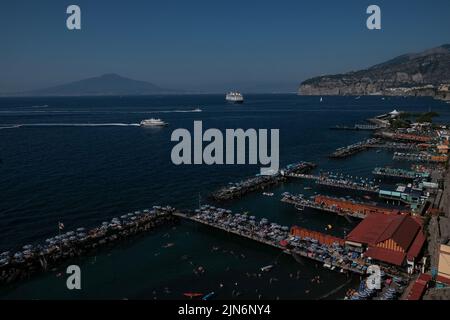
{"x":259,"y":182}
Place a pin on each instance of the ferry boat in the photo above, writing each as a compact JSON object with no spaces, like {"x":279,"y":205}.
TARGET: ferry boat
{"x":152,"y":123}
{"x":234,"y":97}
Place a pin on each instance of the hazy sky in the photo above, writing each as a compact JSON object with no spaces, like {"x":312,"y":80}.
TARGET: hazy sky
{"x":209,"y":45}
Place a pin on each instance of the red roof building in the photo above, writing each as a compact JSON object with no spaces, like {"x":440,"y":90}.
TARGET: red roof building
{"x":419,"y":287}
{"x":389,"y":238}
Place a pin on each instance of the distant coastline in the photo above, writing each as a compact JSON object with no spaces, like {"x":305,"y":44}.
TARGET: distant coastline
{"x":423,"y":74}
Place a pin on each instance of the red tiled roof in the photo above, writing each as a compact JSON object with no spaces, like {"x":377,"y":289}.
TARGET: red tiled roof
{"x":402,"y":231}
{"x":385,"y":255}
{"x":419,"y":287}
{"x":416,"y":246}
{"x":443,"y":280}
{"x":369,"y":230}
{"x":376,"y":228}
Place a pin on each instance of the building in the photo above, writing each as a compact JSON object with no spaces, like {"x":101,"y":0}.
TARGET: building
{"x":442,"y":148}
{"x":444,"y":263}
{"x":409,"y":194}
{"x":345,"y":205}
{"x":389,"y":239}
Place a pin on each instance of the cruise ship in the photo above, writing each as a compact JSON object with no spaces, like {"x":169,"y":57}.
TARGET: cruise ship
{"x":152,"y":123}
{"x":234,"y":97}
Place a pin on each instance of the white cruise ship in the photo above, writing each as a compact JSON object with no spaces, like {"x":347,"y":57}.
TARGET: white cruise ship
{"x":152,"y":123}
{"x":235,"y":97}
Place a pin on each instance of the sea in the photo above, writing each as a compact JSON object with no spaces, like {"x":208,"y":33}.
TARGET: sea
{"x":85,"y":160}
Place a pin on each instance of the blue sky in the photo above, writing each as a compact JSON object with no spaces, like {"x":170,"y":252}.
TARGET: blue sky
{"x":209,"y":45}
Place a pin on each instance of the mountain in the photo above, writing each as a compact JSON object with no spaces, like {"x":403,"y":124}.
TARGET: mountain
{"x":105,"y":85}
{"x":418,"y":74}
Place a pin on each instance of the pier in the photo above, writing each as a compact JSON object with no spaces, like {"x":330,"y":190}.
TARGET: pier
{"x":342,"y":207}
{"x":357,"y":127}
{"x":298,"y":242}
{"x":301,"y":203}
{"x":354,"y":148}
{"x":40,"y":257}
{"x":339,"y":181}
{"x":404,"y":136}
{"x":400,"y":173}
{"x":396,"y":146}
{"x":237,"y":190}
{"x":420,"y":157}
{"x":368,"y":187}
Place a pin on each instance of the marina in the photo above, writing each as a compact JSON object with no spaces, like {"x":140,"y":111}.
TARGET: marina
{"x":339,"y":248}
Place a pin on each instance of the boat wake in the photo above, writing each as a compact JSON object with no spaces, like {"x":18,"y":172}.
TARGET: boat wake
{"x":66,"y":112}
{"x":69,"y":125}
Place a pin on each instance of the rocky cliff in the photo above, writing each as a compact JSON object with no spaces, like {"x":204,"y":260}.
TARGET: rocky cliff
{"x":422,"y":74}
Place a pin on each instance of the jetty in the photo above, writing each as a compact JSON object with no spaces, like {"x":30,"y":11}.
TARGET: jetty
{"x":400,"y":173}
{"x":420,"y":157}
{"x":354,"y":148}
{"x":329,"y":179}
{"x":298,"y":242}
{"x":260,"y":182}
{"x":357,"y":127}
{"x":34,"y":258}
{"x":396,"y":146}
{"x":404,"y":136}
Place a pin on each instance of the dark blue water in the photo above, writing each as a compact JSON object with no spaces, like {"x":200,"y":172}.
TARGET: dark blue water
{"x":82,"y":174}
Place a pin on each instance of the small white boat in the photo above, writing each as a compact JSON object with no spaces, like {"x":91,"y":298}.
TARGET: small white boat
{"x":321,"y":99}
{"x":268,"y":194}
{"x":152,"y":123}
{"x":267,"y":268}
{"x":197,"y":110}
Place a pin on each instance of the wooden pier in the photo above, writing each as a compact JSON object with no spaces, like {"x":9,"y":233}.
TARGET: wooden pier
{"x":291,"y":250}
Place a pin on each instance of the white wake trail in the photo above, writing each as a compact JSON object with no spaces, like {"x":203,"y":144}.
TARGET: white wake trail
{"x":70,"y":125}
